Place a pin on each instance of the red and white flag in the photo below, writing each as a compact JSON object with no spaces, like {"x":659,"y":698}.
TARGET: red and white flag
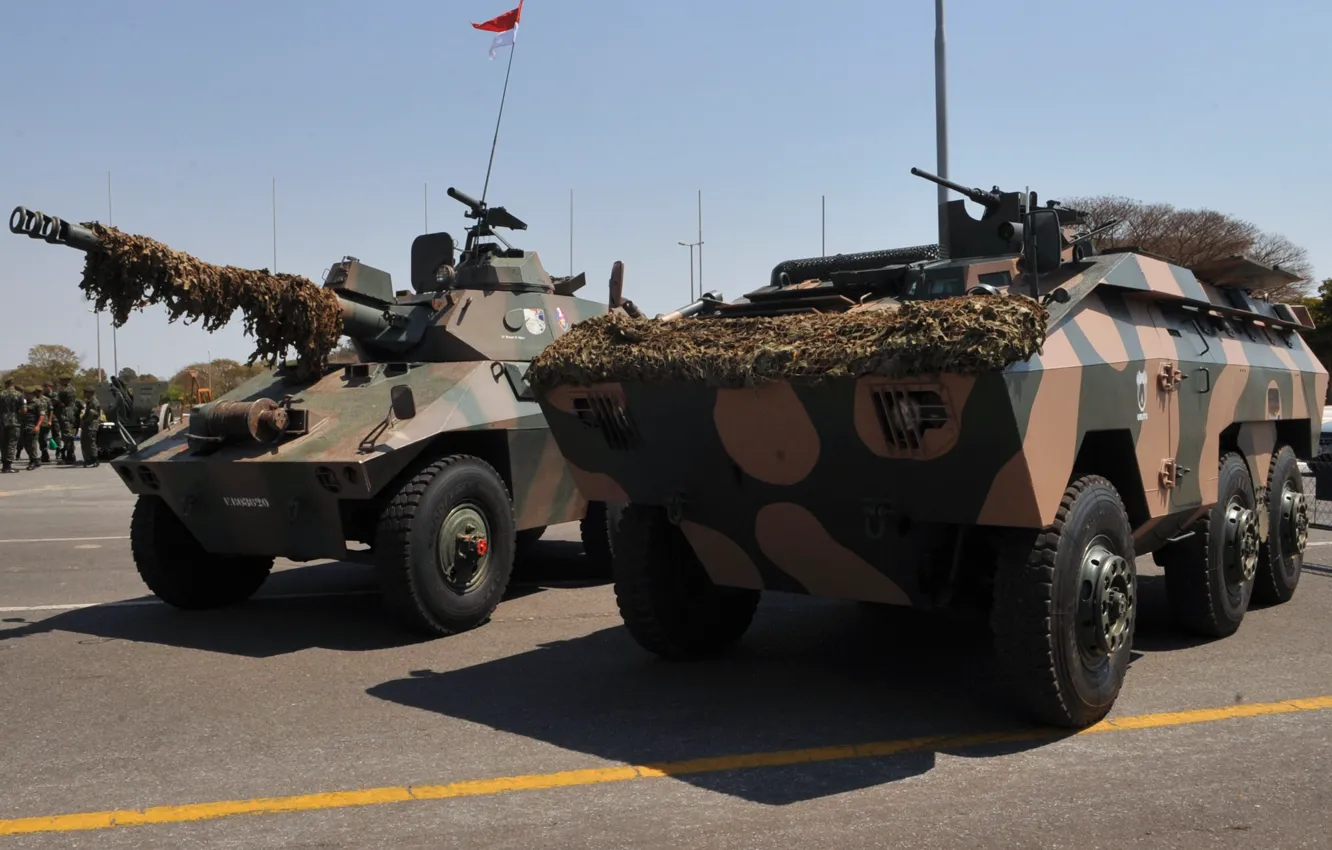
{"x":506,"y":25}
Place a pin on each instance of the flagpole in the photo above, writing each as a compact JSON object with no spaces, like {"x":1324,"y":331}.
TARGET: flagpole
{"x":513,"y":48}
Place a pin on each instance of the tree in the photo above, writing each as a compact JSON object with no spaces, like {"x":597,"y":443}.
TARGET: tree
{"x":1189,"y":237}
{"x":344,"y":353}
{"x":127,"y":374}
{"x":1320,"y":338}
{"x":222,"y":376}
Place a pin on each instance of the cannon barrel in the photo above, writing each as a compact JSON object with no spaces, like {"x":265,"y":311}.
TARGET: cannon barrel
{"x":38,"y":225}
{"x":362,"y":321}
{"x":989,"y":200}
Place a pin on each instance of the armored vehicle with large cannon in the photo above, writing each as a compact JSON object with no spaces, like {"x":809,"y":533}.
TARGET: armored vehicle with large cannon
{"x":998,"y":424}
{"x":430,"y":449}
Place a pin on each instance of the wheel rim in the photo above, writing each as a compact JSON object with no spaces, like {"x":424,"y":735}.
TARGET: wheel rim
{"x":1107,"y":603}
{"x":1294,"y":519}
{"x":1242,"y":542}
{"x":463,"y":548}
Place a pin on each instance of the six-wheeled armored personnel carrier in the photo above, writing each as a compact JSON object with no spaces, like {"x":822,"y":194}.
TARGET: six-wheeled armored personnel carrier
{"x":1002,"y":427}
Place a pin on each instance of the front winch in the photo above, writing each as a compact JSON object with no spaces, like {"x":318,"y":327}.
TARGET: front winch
{"x":262,"y":420}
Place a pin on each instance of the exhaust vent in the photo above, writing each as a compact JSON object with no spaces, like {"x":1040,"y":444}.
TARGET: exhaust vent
{"x":607,"y":413}
{"x":906,"y":416}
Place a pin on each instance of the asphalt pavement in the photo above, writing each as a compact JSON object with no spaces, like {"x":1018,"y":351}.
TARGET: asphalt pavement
{"x":305,"y":718}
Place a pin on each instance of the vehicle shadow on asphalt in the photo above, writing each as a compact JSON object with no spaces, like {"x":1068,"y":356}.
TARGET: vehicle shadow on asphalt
{"x":332,"y":606}
{"x":809,"y":673}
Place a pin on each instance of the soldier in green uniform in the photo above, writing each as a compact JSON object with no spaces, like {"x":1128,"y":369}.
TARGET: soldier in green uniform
{"x":11,"y":402}
{"x":43,"y":402}
{"x":91,"y":420}
{"x":67,"y":418}
{"x":30,"y":426}
{"x":53,"y":426}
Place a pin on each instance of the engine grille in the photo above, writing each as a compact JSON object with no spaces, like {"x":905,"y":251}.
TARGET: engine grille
{"x":906,"y":415}
{"x":606,"y":413}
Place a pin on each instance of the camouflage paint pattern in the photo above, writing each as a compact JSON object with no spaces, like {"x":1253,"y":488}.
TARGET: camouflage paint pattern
{"x":285,"y":499}
{"x":813,"y":487}
{"x":461,"y":340}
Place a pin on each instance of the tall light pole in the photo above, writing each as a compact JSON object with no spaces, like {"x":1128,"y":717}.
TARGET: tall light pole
{"x":97,"y":317}
{"x":941,"y":120}
{"x":700,"y":248}
{"x":691,"y":245}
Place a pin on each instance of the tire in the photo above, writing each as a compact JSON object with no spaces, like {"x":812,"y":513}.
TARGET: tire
{"x":1045,"y":636}
{"x":595,"y":533}
{"x":1206,"y":584}
{"x":668,"y":603}
{"x":1281,"y":558}
{"x":176,"y":568}
{"x":468,"y":493}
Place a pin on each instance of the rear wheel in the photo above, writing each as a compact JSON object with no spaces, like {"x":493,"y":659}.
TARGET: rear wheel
{"x":1281,"y":558}
{"x":177,"y":569}
{"x":669,"y":604}
{"x":446,"y":546}
{"x":1209,"y":576}
{"x":1065,"y":607}
{"x":595,"y":533}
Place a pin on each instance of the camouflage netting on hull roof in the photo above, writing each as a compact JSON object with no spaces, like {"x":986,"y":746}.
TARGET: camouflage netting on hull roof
{"x":281,"y":311}
{"x":962,"y":335}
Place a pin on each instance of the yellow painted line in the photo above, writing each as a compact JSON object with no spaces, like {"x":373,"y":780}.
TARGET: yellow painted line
{"x":628,"y":773}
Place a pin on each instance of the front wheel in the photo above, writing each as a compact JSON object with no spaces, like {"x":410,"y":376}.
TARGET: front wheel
{"x":667,"y":601}
{"x":1065,"y":607}
{"x":179,"y":571}
{"x":446,"y":544}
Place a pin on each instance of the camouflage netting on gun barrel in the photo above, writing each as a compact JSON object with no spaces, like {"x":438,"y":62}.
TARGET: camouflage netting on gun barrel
{"x":126,"y":272}
{"x":962,"y":335}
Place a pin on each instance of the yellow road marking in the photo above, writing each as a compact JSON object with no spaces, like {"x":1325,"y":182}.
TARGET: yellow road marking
{"x":627,"y":773}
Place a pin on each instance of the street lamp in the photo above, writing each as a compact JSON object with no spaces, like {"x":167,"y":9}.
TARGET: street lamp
{"x":691,"y":246}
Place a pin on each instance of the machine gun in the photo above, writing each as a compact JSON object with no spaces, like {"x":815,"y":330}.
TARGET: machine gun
{"x":991,"y":200}
{"x":1047,"y":237}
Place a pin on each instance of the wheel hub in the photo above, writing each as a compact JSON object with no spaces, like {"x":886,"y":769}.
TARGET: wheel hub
{"x":1242,"y":542}
{"x":463,"y":548}
{"x":1108,"y":602}
{"x":1294,"y":519}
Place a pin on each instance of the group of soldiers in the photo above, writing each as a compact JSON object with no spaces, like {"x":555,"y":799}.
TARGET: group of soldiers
{"x":31,"y":420}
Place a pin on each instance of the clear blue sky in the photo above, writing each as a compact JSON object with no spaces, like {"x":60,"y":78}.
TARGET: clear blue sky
{"x":353,"y":106}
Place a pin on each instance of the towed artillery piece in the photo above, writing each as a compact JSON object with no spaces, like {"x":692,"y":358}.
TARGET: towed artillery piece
{"x":430,"y":449}
{"x":134,"y":412}
{"x":1000,"y":427}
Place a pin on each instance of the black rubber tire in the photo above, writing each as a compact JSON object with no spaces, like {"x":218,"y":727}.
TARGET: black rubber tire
{"x":179,"y":571}
{"x":1278,"y":569}
{"x":1200,"y":600}
{"x":668,"y":603}
{"x":406,"y":539}
{"x":1034,"y":613}
{"x":594,"y":530}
